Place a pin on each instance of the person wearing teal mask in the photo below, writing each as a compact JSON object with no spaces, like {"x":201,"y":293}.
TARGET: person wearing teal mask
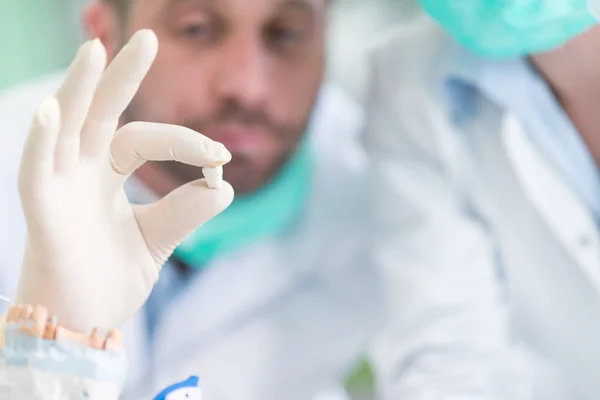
{"x":484,"y":132}
{"x":504,"y":29}
{"x":274,"y":298}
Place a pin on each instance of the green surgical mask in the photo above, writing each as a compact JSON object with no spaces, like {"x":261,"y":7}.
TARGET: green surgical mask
{"x":511,"y":28}
{"x":266,"y":213}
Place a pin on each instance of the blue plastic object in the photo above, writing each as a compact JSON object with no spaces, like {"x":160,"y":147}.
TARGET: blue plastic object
{"x":191,"y":383}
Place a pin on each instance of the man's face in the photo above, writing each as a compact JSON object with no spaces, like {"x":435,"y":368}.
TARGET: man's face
{"x":243,"y":72}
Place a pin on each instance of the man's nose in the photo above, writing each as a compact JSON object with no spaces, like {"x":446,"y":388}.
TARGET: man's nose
{"x":243,"y":73}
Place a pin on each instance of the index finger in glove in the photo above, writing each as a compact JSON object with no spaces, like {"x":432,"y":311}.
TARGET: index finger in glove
{"x":138,"y":142}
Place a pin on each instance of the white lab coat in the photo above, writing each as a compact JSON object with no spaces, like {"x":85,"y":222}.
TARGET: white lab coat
{"x":492,"y":261}
{"x":282,"y":320}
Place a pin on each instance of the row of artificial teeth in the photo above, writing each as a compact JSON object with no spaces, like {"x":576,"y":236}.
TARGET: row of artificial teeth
{"x":29,"y":323}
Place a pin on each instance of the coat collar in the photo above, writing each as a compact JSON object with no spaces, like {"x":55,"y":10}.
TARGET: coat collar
{"x":566,"y":215}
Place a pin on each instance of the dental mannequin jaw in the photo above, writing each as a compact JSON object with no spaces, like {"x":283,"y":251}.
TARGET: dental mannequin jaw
{"x":41,"y":359}
{"x":34,"y":322}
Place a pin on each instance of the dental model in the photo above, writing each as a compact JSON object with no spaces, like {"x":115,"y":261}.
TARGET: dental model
{"x":40,"y":359}
{"x":214,"y":177}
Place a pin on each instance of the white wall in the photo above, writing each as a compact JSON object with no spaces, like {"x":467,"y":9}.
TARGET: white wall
{"x":355,"y":24}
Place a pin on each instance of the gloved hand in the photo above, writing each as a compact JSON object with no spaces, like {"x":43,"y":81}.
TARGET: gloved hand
{"x":91,"y":258}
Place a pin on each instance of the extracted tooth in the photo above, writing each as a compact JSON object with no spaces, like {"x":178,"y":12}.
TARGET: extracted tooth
{"x":114,"y":340}
{"x":40,"y":316}
{"x":214,"y":176}
{"x":95,"y":340}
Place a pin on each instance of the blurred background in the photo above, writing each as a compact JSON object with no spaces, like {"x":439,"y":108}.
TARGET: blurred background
{"x":37,"y":36}
{"x":41,"y":36}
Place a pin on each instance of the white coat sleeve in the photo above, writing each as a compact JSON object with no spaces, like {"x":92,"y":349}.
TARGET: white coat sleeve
{"x":448,"y":333}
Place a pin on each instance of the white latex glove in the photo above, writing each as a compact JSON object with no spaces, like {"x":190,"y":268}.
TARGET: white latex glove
{"x":91,"y":257}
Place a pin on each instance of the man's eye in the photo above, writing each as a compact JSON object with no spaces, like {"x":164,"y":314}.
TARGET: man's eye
{"x":196,"y":30}
{"x":280,"y":35}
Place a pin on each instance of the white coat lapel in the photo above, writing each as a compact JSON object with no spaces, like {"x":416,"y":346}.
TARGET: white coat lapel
{"x":225,"y":295}
{"x":567,"y":217}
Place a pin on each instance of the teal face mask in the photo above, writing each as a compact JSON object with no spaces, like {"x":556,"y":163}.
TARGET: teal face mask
{"x":266,"y":213}
{"x":511,"y":28}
